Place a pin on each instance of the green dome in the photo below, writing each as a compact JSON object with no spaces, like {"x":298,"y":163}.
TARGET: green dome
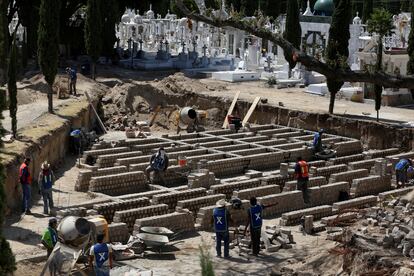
{"x":324,"y":7}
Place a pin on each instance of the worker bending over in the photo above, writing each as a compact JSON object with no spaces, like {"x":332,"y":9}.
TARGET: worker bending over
{"x":50,"y":237}
{"x":100,"y":257}
{"x":317,"y":141}
{"x":158,"y":164}
{"x":401,"y":171}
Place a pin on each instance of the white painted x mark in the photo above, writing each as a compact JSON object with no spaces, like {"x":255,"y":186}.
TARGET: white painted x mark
{"x":257,"y":216}
{"x":219,"y":220}
{"x":101,"y":256}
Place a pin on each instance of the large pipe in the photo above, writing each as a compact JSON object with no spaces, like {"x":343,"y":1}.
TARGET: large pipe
{"x":188,"y":115}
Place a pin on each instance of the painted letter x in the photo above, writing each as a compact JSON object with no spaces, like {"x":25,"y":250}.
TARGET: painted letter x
{"x":257,"y":216}
{"x":101,"y":256}
{"x":219,"y":220}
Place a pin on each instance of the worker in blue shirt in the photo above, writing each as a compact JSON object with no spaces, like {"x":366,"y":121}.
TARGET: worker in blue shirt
{"x":255,"y":214}
{"x":317,"y":141}
{"x":100,"y":257}
{"x":221,"y":219}
{"x":72,"y":73}
{"x":401,"y":169}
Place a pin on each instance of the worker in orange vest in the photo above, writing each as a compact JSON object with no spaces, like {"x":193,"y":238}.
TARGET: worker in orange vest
{"x":302,"y":176}
{"x":25,"y":180}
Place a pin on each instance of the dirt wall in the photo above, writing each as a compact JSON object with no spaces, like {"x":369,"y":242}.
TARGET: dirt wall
{"x":49,"y":140}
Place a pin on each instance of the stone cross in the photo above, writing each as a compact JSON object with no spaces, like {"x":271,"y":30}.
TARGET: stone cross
{"x":205,"y":50}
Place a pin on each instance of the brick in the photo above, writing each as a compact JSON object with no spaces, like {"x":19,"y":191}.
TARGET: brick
{"x":257,"y":191}
{"x":108,"y":209}
{"x":131,"y":215}
{"x":294,"y":217}
{"x":194,"y":204}
{"x":370,"y":185}
{"x":348,"y":176}
{"x":359,"y":202}
{"x":119,"y":184}
{"x":172,"y":198}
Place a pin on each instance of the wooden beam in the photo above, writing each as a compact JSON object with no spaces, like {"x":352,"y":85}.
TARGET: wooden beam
{"x":230,"y":111}
{"x":96,"y":113}
{"x":251,"y":110}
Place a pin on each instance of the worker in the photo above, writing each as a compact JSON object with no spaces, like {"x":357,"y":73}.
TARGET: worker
{"x":100,"y":257}
{"x":50,"y":237}
{"x":25,"y":180}
{"x":302,"y":177}
{"x":255,"y":213}
{"x":45,"y":181}
{"x":221,"y":219}
{"x":317,"y":141}
{"x":72,"y":74}
{"x":401,"y":171}
{"x":158,"y":164}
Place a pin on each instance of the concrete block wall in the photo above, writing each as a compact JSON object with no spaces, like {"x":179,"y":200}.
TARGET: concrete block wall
{"x":185,"y":219}
{"x":395,"y":193}
{"x":348,"y":147}
{"x":131,"y":215}
{"x":148,"y":194}
{"x":262,"y":161}
{"x":273,"y":142}
{"x":271,"y":132}
{"x":118,"y":232}
{"x":108,"y":209}
{"x":329,"y":193}
{"x":228,"y":166}
{"x":202,"y":178}
{"x":382,"y":153}
{"x":346,"y":159}
{"x":286,"y":202}
{"x":173,"y":176}
{"x":317,"y":163}
{"x":200,"y":140}
{"x":228,"y":188}
{"x":216,"y":144}
{"x":96,"y":153}
{"x":119,"y":184}
{"x":194,"y":204}
{"x":150,"y":148}
{"x":233,"y":147}
{"x":363,"y":164}
{"x":294,"y":217}
{"x":289,"y":134}
{"x":85,"y":176}
{"x":287,"y":146}
{"x":327,"y":171}
{"x":172,"y":198}
{"x":358,"y":202}
{"x":249,"y":151}
{"x":370,"y":185}
{"x":277,"y":180}
{"x":313,"y":182}
{"x":257,"y":191}
{"x":348,"y":176}
{"x":254,"y":139}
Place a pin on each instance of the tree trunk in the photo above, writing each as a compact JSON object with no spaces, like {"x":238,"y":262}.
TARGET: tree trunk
{"x":50,"y":99}
{"x":378,"y":115}
{"x":332,"y":102}
{"x":93,"y":70}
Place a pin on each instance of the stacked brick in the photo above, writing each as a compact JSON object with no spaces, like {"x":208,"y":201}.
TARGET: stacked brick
{"x":228,"y":188}
{"x":85,"y":176}
{"x":346,"y":159}
{"x":108,"y":160}
{"x":132,"y":160}
{"x":359,"y":202}
{"x":254,"y":139}
{"x":177,"y":221}
{"x":382,"y":153}
{"x":271,"y":132}
{"x":370,"y":185}
{"x":203,"y":178}
{"x":118,"y":232}
{"x":317,"y":164}
{"x":348,"y":176}
{"x":228,"y":166}
{"x":129,"y":216}
{"x":286,"y":202}
{"x":119,"y":184}
{"x":257,"y":191}
{"x":277,"y":179}
{"x":288,"y":134}
{"x":96,"y":153}
{"x":149,"y":148}
{"x":395,"y":193}
{"x":249,"y":151}
{"x":148,"y":194}
{"x":233,"y":147}
{"x":263,"y":161}
{"x":108,"y":209}
{"x":348,"y":147}
{"x":194,"y":204}
{"x":327,"y":171}
{"x":172,"y":198}
{"x":363,"y":164}
{"x":294,"y":217}
{"x":328,"y":194}
{"x":288,"y":146}
{"x":313,"y":182}
{"x":173,"y":176}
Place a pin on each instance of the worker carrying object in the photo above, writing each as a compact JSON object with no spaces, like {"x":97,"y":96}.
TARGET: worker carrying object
{"x":25,"y":180}
{"x":221,"y":219}
{"x":317,"y":141}
{"x":50,"y":237}
{"x":46,"y":180}
{"x":401,"y":171}
{"x":100,"y":257}
{"x":302,"y":177}
{"x":158,"y":164}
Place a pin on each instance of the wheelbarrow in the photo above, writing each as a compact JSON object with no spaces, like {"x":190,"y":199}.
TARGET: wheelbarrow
{"x":157,"y":231}
{"x":156,"y":242}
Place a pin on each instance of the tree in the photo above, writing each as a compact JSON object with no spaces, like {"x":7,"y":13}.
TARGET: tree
{"x":4,"y":35}
{"x":381,"y":24}
{"x":48,"y":43}
{"x":93,"y":32}
{"x":293,"y":31}
{"x":11,"y":85}
{"x":405,"y":5}
{"x":410,"y":49}
{"x":337,"y":51}
{"x":7,"y":260}
{"x":367,"y":10}
{"x":109,"y":21}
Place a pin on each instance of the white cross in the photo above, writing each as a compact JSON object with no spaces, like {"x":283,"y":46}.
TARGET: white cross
{"x":257,"y":216}
{"x":219,"y":220}
{"x":101,"y":256}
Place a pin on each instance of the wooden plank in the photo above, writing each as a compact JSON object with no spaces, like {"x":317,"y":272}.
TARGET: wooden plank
{"x":157,"y":110}
{"x":233,"y":104}
{"x":96,"y":113}
{"x":251,"y":109}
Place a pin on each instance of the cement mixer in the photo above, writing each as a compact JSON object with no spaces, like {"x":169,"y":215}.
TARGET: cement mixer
{"x":75,"y":236}
{"x":193,"y":120}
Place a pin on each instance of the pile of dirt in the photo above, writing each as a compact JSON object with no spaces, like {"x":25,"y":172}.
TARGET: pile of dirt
{"x":128,"y":103}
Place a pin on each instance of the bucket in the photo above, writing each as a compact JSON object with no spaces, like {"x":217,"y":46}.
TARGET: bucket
{"x":182,"y":161}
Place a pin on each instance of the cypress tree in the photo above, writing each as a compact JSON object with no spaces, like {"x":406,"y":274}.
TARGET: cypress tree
{"x":48,"y":43}
{"x":380,"y":23}
{"x":337,"y":51}
{"x":109,"y":21}
{"x":11,"y":85}
{"x":274,"y":7}
{"x":293,"y":31}
{"x":410,"y":49}
{"x":93,"y":32}
{"x":367,"y":10}
{"x":7,"y":260}
{"x":405,"y":5}
{"x":4,"y":36}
